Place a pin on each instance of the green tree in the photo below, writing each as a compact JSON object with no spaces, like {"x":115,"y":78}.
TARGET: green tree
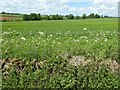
{"x":106,"y":16}
{"x":33,"y":16}
{"x":97,"y":16}
{"x":91,"y":15}
{"x":77,"y":17}
{"x":3,"y":12}
{"x":60,"y":17}
{"x":39,"y":16}
{"x":26,"y":17}
{"x":70,"y":16}
{"x":84,"y":16}
{"x":47,"y":17}
{"x":55,"y":17}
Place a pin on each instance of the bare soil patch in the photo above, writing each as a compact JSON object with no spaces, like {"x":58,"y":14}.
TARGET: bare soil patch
{"x":8,"y":18}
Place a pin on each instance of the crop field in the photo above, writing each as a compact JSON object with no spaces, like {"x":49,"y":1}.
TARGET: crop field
{"x":7,"y":17}
{"x":60,"y":54}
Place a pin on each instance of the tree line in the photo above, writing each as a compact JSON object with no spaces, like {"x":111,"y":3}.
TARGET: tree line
{"x":34,"y":16}
{"x":10,"y":13}
{"x":38,"y":16}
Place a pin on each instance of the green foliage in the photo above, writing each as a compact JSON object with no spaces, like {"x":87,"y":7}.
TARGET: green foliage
{"x":84,"y":16}
{"x":77,"y":17}
{"x":39,"y":16}
{"x":46,"y":17}
{"x":70,"y":16}
{"x":92,"y":15}
{"x":33,"y":16}
{"x":26,"y":17}
{"x":41,"y":43}
{"x":59,"y":74}
{"x":97,"y":16}
{"x":57,"y":17}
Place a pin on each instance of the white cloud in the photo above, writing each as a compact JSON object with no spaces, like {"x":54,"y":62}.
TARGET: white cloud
{"x":53,"y":0}
{"x":106,"y":1}
{"x":106,"y":7}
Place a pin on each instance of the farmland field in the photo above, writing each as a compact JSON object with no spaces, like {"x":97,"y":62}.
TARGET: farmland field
{"x":8,"y":17}
{"x":60,"y":53}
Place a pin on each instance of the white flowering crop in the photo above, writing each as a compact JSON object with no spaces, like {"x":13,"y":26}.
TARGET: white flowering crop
{"x":23,"y":38}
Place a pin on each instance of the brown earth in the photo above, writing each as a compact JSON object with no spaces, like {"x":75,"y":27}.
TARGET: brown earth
{"x":8,"y":18}
{"x":20,"y":65}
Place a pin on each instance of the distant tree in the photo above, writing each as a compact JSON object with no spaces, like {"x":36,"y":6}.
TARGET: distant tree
{"x":84,"y":16}
{"x":11,"y":13}
{"x":33,"y":16}
{"x":47,"y":17}
{"x":43,"y":17}
{"x":77,"y":17}
{"x":60,"y":17}
{"x":70,"y":16}
{"x":102,"y":16}
{"x":97,"y":16}
{"x":55,"y":17}
{"x":106,"y":16}
{"x":39,"y":16}
{"x":26,"y":17}
{"x":66,"y":17}
{"x":3,"y":12}
{"x":91,"y":15}
{"x":16,"y":13}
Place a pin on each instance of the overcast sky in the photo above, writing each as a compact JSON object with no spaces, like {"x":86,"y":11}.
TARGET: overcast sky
{"x":76,"y":7}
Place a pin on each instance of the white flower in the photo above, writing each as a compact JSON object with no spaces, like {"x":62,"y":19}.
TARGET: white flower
{"x":60,"y":33}
{"x":23,"y":38}
{"x":14,"y":31}
{"x":85,"y":28}
{"x":59,"y":43}
{"x":114,"y":31}
{"x":68,"y":31}
{"x":1,"y":40}
{"x":104,"y":35}
{"x":105,"y":39}
{"x":77,"y":40}
{"x":96,"y":40}
{"x":101,"y":33}
{"x":47,"y":39}
{"x":51,"y":35}
{"x":41,"y":33}
{"x":97,"y":34}
{"x":107,"y":32}
{"x":87,"y":41}
{"x":83,"y":37}
{"x":43,"y":40}
{"x":5,"y":33}
{"x":74,"y":40}
{"x":53,"y":42}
